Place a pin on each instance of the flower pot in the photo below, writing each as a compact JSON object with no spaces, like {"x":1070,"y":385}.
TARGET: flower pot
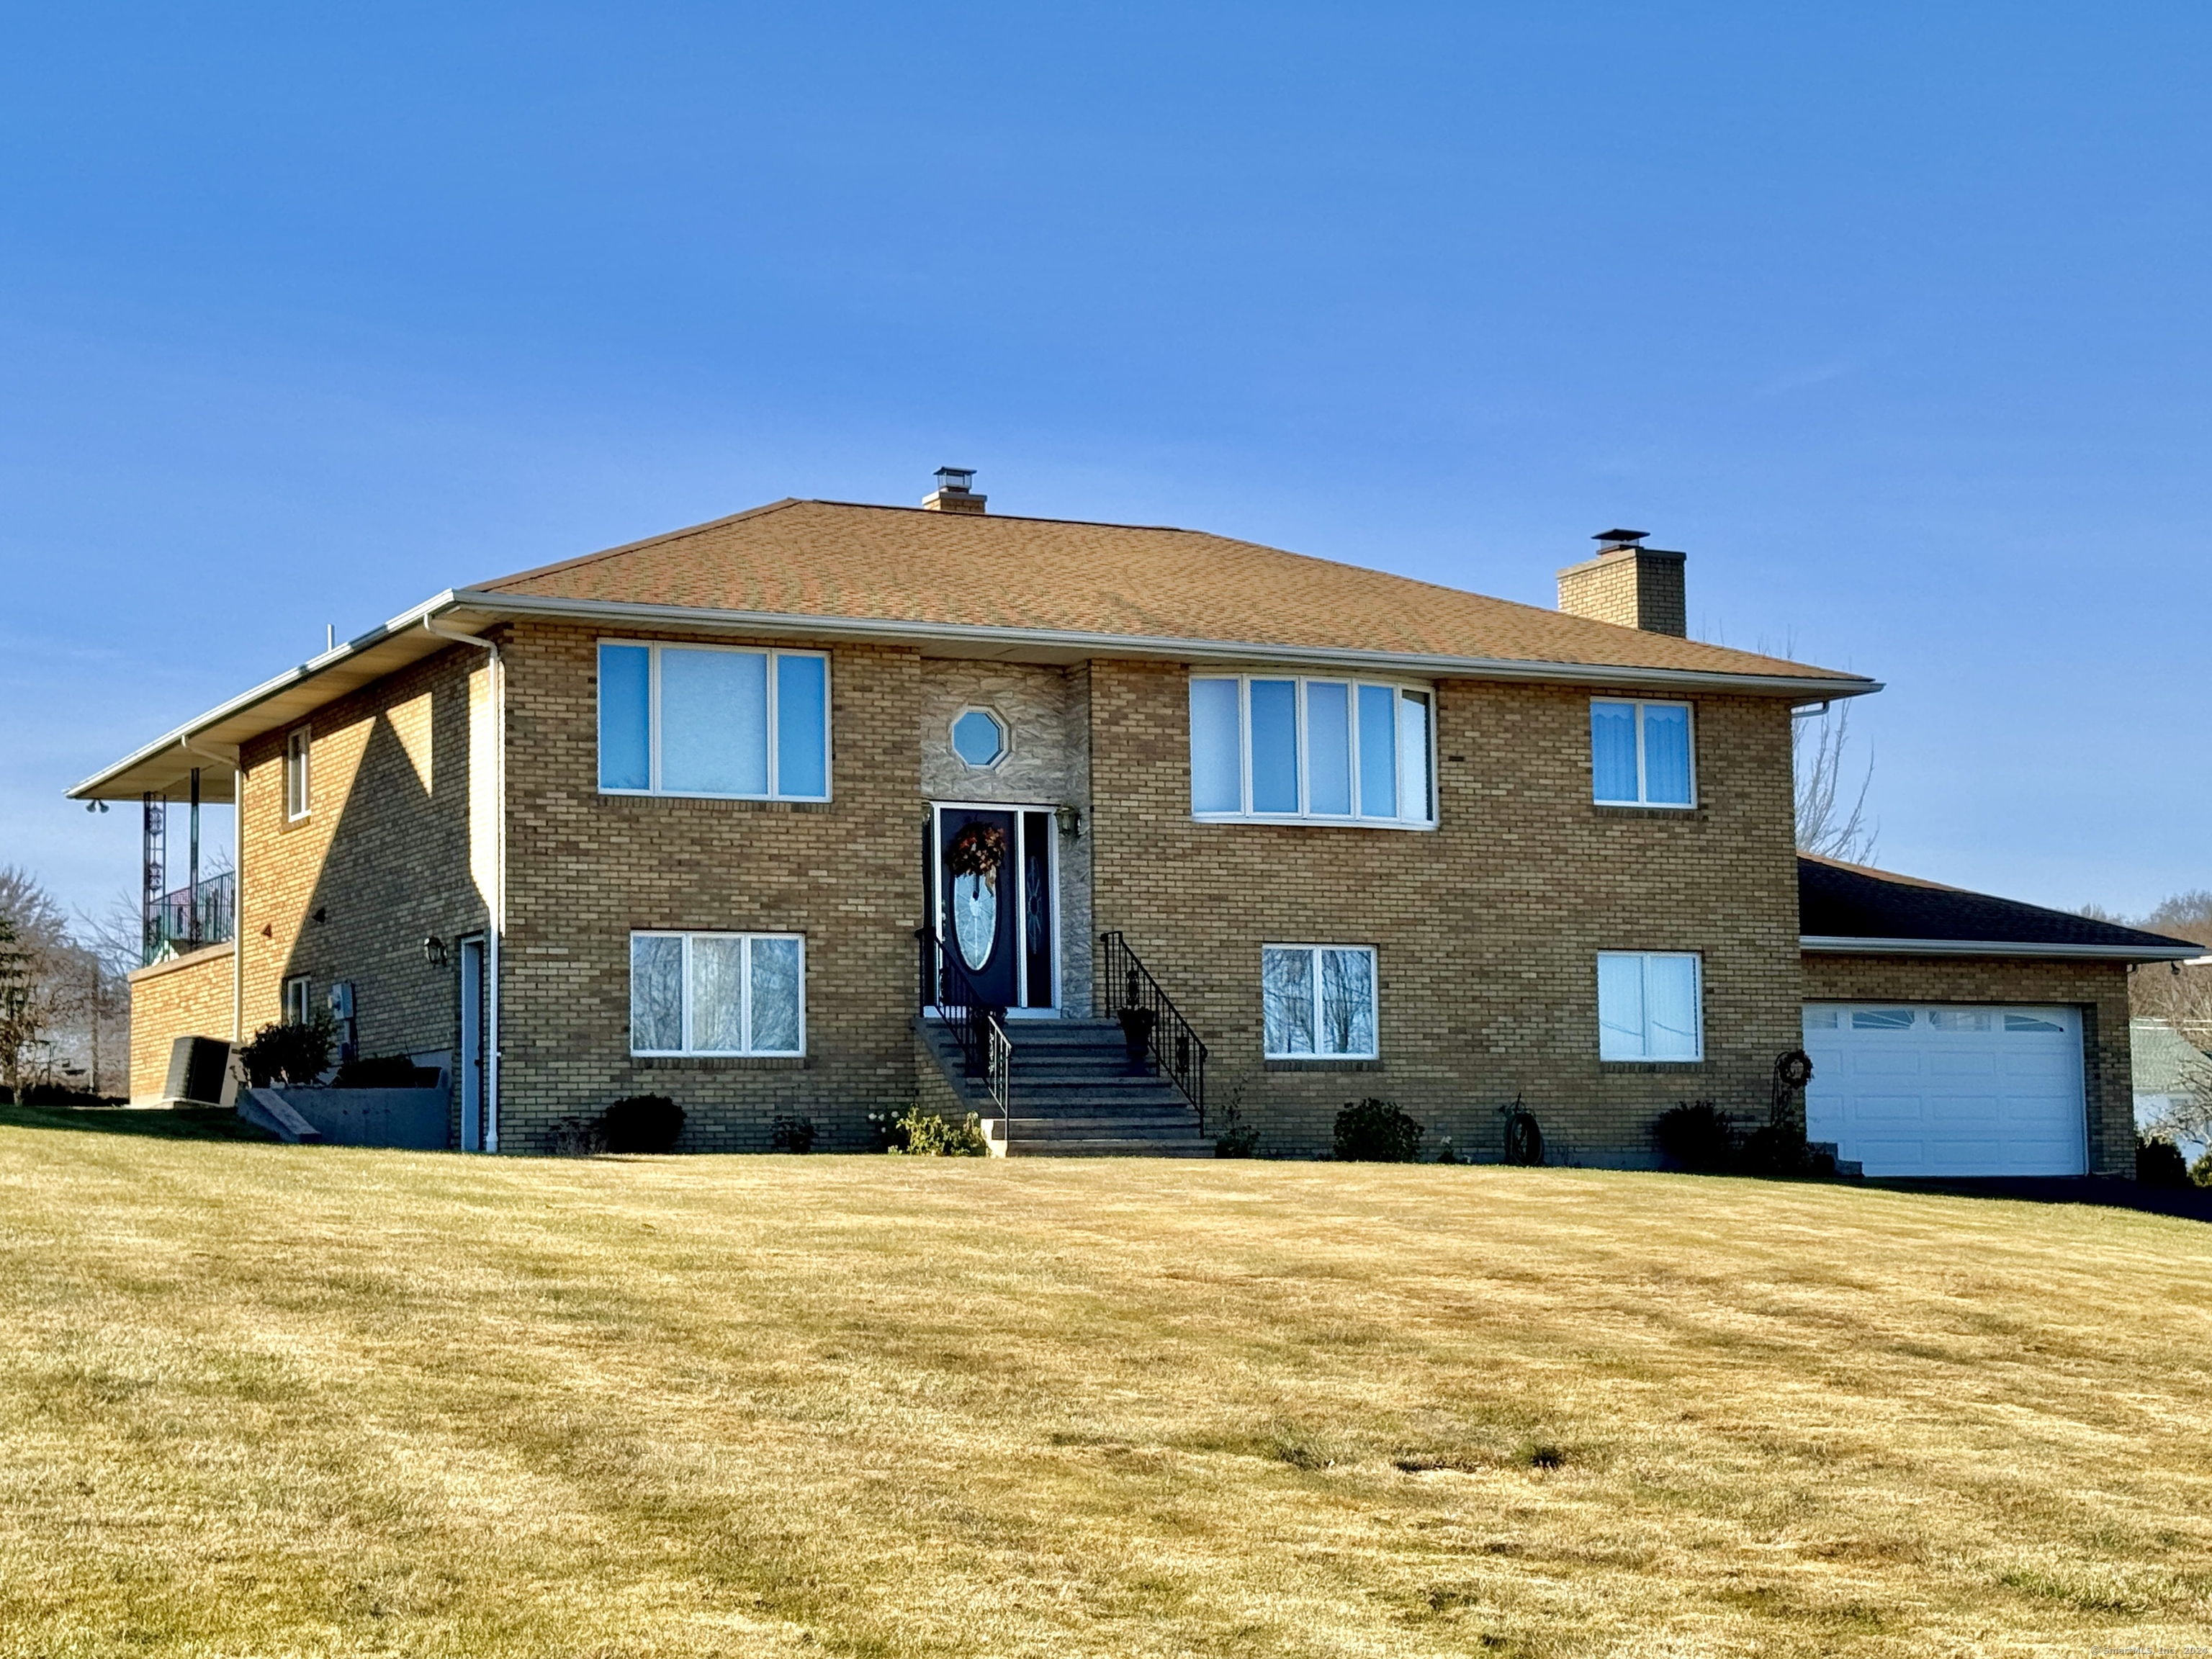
{"x":1137,"y":1032}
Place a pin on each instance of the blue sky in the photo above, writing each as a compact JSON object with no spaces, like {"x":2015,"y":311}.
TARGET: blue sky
{"x":1894,"y":318}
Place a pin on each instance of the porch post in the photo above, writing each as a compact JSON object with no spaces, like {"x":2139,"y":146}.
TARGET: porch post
{"x":154,"y":869}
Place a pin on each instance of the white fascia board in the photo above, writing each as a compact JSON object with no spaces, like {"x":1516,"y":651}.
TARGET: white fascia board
{"x":1837,"y":945}
{"x":187,"y":736}
{"x":1076,"y":644}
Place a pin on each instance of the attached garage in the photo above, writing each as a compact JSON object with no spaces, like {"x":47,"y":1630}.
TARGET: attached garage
{"x":1932,"y":1089}
{"x":1959,"y":1034}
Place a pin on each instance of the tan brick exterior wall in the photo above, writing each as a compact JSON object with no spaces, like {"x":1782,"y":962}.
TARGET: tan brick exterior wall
{"x":586,"y":869}
{"x":187,"y":996}
{"x":2099,"y":990}
{"x":383,"y":854}
{"x":1486,"y":929}
{"x":1639,"y":587}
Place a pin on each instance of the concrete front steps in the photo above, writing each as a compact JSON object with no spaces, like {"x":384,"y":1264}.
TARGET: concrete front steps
{"x":1072,"y":1094}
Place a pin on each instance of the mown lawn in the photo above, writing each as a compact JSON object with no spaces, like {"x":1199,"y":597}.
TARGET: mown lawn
{"x":269,"y":1399}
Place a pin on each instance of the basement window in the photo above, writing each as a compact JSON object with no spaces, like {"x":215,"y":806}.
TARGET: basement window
{"x":1640,"y":754}
{"x":714,"y":721}
{"x":1317,"y":1001}
{"x":717,"y":994}
{"x":1311,"y":751}
{"x":1649,"y":1005}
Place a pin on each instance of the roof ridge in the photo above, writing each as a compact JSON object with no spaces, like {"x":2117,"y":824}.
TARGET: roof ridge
{"x":581,"y":559}
{"x":996,"y":518}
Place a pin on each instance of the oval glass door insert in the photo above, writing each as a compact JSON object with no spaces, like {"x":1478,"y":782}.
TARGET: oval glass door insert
{"x":975,"y":917}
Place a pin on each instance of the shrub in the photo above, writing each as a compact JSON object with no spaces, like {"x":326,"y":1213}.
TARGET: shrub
{"x":2158,"y":1162}
{"x":2201,"y":1172}
{"x":580,"y":1137}
{"x":643,"y":1123}
{"x":1237,"y":1138}
{"x":928,"y":1135}
{"x":296,"y":1054}
{"x":385,"y":1072}
{"x":792,"y":1134}
{"x":1775,"y":1149}
{"x":58,"y":1094}
{"x":1696,"y":1137}
{"x":1376,"y":1132}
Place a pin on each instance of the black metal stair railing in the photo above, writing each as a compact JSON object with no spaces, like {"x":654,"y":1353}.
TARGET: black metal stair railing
{"x":978,"y":1026}
{"x":1126,"y":986}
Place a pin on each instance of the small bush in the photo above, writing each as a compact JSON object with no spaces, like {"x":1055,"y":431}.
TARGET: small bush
{"x":1237,"y":1138}
{"x":643,"y":1123}
{"x":792,"y":1134}
{"x":2158,"y":1162}
{"x":1773,"y":1148}
{"x":1376,"y":1132}
{"x":2201,"y":1172}
{"x":385,"y":1072}
{"x":59,"y":1094}
{"x":580,"y":1137}
{"x":294,"y":1054}
{"x":1696,"y":1137}
{"x":928,"y":1135}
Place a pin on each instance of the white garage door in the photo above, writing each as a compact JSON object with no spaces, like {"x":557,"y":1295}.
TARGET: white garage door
{"x":1919,"y":1090}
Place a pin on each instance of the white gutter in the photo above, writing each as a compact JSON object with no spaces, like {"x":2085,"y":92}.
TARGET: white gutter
{"x":1084,"y":643}
{"x":237,"y":882}
{"x":1837,"y":945}
{"x":495,"y":667}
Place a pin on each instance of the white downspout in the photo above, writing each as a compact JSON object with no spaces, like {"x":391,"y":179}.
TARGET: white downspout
{"x":497,"y":667}
{"x":236,"y":762}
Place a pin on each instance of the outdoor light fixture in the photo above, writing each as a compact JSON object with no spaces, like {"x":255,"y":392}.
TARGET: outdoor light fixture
{"x":95,"y":806}
{"x":434,"y":951}
{"x":1070,"y":820}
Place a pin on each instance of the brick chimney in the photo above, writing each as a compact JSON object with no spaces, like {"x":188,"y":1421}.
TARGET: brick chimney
{"x":954,"y":492}
{"x":1628,"y":583}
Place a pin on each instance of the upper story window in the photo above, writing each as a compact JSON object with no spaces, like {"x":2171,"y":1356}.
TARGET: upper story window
{"x":979,"y":738}
{"x":1640,"y":754}
{"x":1649,"y":1005}
{"x":1335,"y":750}
{"x":297,"y":744}
{"x":704,"y":720}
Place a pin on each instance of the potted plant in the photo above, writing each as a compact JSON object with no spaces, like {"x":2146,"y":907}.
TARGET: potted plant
{"x":1137,"y":1032}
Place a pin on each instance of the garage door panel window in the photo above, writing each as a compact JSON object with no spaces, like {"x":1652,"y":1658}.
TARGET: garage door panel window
{"x":1881,"y":1019}
{"x":1649,"y":1005}
{"x":2032,"y":1022}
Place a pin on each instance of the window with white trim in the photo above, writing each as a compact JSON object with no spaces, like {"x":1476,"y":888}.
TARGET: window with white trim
{"x":1649,"y":1005}
{"x":1641,"y":754}
{"x":713,"y":720}
{"x":1296,"y":749}
{"x":295,"y":1001}
{"x":1317,"y":1001}
{"x":717,"y":994}
{"x":298,"y":744}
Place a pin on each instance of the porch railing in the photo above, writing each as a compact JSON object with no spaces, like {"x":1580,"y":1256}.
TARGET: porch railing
{"x":1125,"y":984}
{"x":191,"y":917}
{"x":978,"y":1026}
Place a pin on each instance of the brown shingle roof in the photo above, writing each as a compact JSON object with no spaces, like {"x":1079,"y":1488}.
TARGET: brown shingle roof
{"x":834,"y":559}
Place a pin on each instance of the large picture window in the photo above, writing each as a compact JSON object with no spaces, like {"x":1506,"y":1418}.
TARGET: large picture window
{"x":717,"y":994}
{"x":1640,"y":754}
{"x":1317,"y":1001}
{"x":1342,"y":752}
{"x":1649,"y":1005}
{"x":685,"y":720}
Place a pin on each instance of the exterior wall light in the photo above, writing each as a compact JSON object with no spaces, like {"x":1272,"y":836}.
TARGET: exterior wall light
{"x":434,"y":951}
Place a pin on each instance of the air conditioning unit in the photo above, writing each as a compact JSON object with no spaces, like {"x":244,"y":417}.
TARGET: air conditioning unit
{"x":197,"y":1066}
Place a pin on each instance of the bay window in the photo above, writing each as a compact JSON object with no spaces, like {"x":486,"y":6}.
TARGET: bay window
{"x":686,"y":720}
{"x":1649,"y":1005}
{"x":1640,"y":754}
{"x":717,"y":994}
{"x":1317,"y":1001}
{"x":1296,"y":748}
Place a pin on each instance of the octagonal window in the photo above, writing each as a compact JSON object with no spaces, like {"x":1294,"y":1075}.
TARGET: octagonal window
{"x":978,"y":738}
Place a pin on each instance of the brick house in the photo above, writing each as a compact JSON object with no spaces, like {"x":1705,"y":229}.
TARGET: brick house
{"x":823,"y":809}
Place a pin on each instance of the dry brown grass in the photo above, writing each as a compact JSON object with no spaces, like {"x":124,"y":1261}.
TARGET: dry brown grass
{"x":272,"y":1400}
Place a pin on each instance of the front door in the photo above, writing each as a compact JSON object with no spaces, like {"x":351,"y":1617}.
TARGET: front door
{"x":993,"y":879}
{"x":472,"y":1044}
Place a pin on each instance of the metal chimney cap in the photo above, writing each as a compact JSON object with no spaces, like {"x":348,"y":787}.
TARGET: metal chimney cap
{"x":1620,"y":538}
{"x":956,"y":477}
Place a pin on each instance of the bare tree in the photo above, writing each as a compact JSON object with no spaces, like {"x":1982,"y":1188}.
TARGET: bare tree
{"x":1831,"y":818}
